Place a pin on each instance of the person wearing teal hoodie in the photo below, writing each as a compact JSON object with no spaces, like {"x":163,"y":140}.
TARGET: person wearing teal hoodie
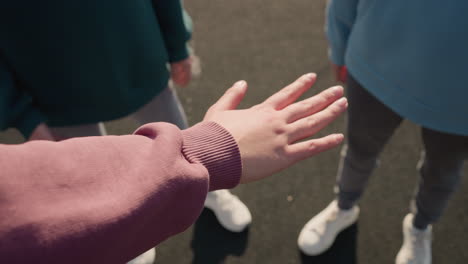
{"x":401,"y":60}
{"x":73,"y":65}
{"x":65,"y":59}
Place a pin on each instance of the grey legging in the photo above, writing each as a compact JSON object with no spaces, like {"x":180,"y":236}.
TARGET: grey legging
{"x":370,"y":125}
{"x":164,"y":107}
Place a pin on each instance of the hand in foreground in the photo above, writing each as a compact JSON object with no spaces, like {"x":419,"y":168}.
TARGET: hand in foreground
{"x":41,"y":132}
{"x":341,"y":72}
{"x":269,"y":134}
{"x":181,"y":72}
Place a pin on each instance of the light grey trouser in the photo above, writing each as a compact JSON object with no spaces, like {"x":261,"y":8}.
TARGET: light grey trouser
{"x":165,"y":107}
{"x":370,"y":125}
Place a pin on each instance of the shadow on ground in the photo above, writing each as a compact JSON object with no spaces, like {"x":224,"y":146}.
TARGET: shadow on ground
{"x":211,"y":243}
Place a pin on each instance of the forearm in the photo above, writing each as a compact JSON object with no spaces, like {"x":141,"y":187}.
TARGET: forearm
{"x":82,"y":200}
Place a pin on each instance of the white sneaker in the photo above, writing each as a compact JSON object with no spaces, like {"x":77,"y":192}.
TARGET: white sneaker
{"x":320,"y":232}
{"x":416,"y":247}
{"x":231,"y":213}
{"x":146,"y":258}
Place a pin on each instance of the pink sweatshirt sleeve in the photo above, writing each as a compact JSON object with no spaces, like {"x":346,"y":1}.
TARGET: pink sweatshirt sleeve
{"x":107,"y":199}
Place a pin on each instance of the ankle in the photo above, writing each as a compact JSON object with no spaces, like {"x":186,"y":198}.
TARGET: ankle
{"x":420,"y":223}
{"x":345,"y":205}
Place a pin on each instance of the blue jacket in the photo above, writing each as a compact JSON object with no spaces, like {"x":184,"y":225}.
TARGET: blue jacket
{"x":411,"y":55}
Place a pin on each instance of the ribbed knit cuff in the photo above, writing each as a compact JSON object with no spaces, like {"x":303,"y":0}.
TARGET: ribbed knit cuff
{"x":213,"y":146}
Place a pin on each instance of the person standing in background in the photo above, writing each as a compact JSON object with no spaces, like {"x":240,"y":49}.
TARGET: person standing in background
{"x":405,"y":60}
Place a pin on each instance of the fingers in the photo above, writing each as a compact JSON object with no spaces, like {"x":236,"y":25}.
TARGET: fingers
{"x":181,"y":75}
{"x":309,"y":148}
{"x":231,"y":98}
{"x":181,"y":79}
{"x":290,"y":93}
{"x":314,"y":104}
{"x":312,"y":124}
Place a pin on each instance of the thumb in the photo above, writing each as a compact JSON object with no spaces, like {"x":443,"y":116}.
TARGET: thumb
{"x":231,"y":98}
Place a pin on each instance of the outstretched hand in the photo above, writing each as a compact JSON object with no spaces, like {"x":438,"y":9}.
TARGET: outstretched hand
{"x":271,"y":135}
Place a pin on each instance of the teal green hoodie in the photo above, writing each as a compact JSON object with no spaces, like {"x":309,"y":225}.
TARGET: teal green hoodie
{"x":75,"y":62}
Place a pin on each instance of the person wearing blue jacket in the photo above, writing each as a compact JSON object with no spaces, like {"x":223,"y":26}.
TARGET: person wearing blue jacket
{"x":404,"y":60}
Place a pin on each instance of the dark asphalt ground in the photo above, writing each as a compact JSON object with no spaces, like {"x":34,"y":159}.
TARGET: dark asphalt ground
{"x":269,"y":44}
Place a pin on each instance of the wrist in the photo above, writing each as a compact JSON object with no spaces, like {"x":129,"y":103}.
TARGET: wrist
{"x":213,"y":146}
